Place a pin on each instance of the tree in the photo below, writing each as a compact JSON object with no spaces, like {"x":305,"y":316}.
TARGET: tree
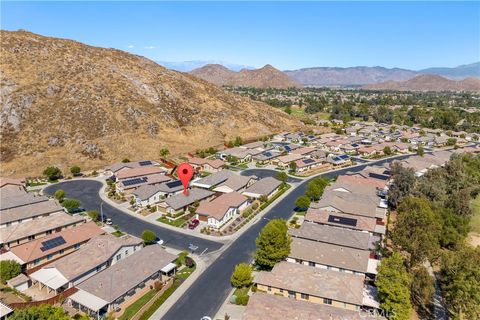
{"x":316,"y":187}
{"x":282,"y":176}
{"x":59,"y":195}
{"x":164,"y":152}
{"x":125,"y":160}
{"x":403,"y":181}
{"x":52,"y":173}
{"x":42,"y":312}
{"x":237,"y":142}
{"x":387,"y":150}
{"x":242,"y":275}
{"x":71,"y":204}
{"x":417,"y":230}
{"x":94,"y":214}
{"x":460,"y":282}
{"x":302,"y":202}
{"x":393,"y":284}
{"x":420,"y":151}
{"x":148,"y":237}
{"x":75,"y":170}
{"x":293,"y":166}
{"x":9,"y":269}
{"x":451,"y":141}
{"x":273,"y":244}
{"x":423,"y":288}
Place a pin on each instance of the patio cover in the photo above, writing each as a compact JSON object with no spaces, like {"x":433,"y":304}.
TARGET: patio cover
{"x":88,"y":300}
{"x":169,"y":267}
{"x":50,"y":277}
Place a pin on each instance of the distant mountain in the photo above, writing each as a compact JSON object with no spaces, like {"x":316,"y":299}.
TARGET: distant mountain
{"x":428,"y":82}
{"x":187,"y":66}
{"x":457,"y":73}
{"x":266,"y":77}
{"x":326,"y":76}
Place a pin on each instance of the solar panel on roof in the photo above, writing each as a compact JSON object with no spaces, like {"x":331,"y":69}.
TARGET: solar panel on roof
{"x":287,"y":148}
{"x":134,"y":181}
{"x":342,"y":220}
{"x":174,"y":184}
{"x":145,"y":163}
{"x":267,"y":154}
{"x":52,"y":243}
{"x":307,"y":161}
{"x":343,"y":156}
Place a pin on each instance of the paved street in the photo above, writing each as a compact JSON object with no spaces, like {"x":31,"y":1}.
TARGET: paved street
{"x":264,"y":173}
{"x":207,"y":294}
{"x":87,"y":192}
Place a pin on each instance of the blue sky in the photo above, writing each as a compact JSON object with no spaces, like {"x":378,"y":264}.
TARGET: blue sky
{"x":288,"y":35}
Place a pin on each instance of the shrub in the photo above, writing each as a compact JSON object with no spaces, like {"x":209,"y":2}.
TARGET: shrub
{"x":189,"y":262}
{"x":59,"y":195}
{"x":75,"y":170}
{"x":242,"y":300}
{"x":158,"y":285}
{"x":71,"y":204}
{"x":148,"y":236}
{"x":242,"y":275}
{"x":255,"y":206}
{"x":9,"y":269}
{"x":93,"y":214}
{"x":52,"y":173}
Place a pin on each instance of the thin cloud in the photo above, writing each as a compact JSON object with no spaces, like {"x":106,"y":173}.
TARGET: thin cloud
{"x":131,"y":46}
{"x":149,"y":47}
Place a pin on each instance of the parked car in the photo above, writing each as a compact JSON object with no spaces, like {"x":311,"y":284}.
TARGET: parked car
{"x":193,"y":224}
{"x":108,"y":222}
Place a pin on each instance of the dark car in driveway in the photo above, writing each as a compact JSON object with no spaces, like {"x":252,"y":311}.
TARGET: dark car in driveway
{"x":193,"y":224}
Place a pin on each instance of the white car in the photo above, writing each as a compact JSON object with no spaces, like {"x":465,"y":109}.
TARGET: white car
{"x":108,"y":222}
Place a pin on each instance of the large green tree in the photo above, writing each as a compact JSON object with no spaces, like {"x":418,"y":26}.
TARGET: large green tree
{"x":393,"y":283}
{"x":42,"y":312}
{"x":460,"y":280}
{"x":242,"y":275}
{"x":316,"y":187}
{"x":71,"y":204}
{"x":417,"y":229}
{"x":273,"y":244}
{"x":423,"y":288}
{"x":9,"y":269}
{"x":403,"y":182}
{"x":52,"y":173}
{"x":148,"y":236}
{"x":302,"y":202}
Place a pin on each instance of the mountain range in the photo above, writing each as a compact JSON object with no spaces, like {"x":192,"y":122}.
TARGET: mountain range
{"x":265,"y":77}
{"x":428,"y":82}
{"x":65,"y":103}
{"x":187,"y":66}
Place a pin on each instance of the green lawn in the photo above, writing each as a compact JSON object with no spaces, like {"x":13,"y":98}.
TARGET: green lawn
{"x":137,"y":305}
{"x":475,"y":221}
{"x":185,"y":272}
{"x":180,"y":222}
{"x":118,"y":233}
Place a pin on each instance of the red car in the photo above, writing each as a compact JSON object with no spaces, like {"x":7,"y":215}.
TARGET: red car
{"x":193,"y":224}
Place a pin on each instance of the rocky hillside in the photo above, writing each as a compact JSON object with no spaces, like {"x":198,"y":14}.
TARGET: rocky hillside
{"x":326,"y":76}
{"x":428,"y":83}
{"x":65,"y":103}
{"x":266,"y":77}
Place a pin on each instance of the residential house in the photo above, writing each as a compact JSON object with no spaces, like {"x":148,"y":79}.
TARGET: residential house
{"x":27,"y":207}
{"x":152,"y":194}
{"x":118,"y":167}
{"x":212,"y":180}
{"x":114,"y":288}
{"x":235,"y":182}
{"x":342,"y":220}
{"x":316,"y":285}
{"x":284,"y":161}
{"x":180,"y":202}
{"x":308,"y":164}
{"x":206,"y":165}
{"x":130,"y":179}
{"x":332,"y":257}
{"x":305,"y":151}
{"x":241,"y":154}
{"x":271,"y":307}
{"x":264,"y":187}
{"x":220,"y":210}
{"x":352,"y":203}
{"x":96,"y":255}
{"x":21,"y":233}
{"x":44,"y":250}
{"x":11,"y":187}
{"x":267,"y":156}
{"x":347,"y":238}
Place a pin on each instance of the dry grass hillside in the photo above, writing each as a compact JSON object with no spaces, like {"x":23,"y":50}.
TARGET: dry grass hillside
{"x":265,"y":77}
{"x":65,"y":103}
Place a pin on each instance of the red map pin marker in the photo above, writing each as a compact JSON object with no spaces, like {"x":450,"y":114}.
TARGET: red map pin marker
{"x":185,"y":173}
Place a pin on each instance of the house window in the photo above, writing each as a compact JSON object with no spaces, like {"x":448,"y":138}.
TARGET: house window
{"x":31,"y":237}
{"x":292,"y":294}
{"x":311,"y":264}
{"x":304,"y":296}
{"x":119,"y":256}
{"x":298,"y":261}
{"x":126,"y":252}
{"x":327,"y":301}
{"x":341,"y":270}
{"x":62,"y":251}
{"x":36,"y":261}
{"x":49,"y":232}
{"x":281,"y":290}
{"x":49,"y":256}
{"x":269,"y":288}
